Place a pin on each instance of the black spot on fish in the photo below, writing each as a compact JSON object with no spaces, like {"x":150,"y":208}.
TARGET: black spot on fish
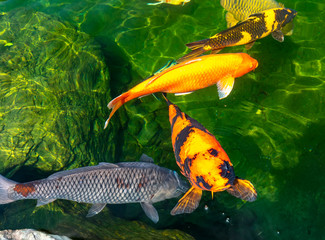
{"x":177,"y":115}
{"x":181,"y":139}
{"x":227,"y":171}
{"x":187,"y":164}
{"x":213,"y":152}
{"x":200,"y":179}
{"x":284,"y":16}
{"x":197,"y":125}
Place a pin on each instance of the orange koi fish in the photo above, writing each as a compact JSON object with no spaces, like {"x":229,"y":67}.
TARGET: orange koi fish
{"x":257,"y":26}
{"x":203,"y":162}
{"x":188,"y":76}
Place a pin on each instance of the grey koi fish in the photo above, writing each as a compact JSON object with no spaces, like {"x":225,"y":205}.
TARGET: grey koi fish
{"x":125,"y":182}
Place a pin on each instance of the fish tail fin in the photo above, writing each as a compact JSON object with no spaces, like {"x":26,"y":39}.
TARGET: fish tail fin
{"x":5,"y":185}
{"x":243,"y":189}
{"x":189,"y":202}
{"x":197,"y":45}
{"x":115,"y":104}
{"x":197,"y":49}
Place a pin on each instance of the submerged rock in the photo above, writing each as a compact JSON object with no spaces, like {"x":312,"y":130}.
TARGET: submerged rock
{"x":28,"y":234}
{"x":53,"y":92}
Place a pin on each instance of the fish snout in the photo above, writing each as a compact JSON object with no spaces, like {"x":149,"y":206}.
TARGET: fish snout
{"x":248,"y":64}
{"x":290,"y":15}
{"x":254,"y":63}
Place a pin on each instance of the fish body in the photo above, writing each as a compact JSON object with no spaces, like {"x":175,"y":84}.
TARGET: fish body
{"x":172,"y":2}
{"x":240,"y":10}
{"x":203,"y":162}
{"x":106,"y":183}
{"x":188,"y":76}
{"x":257,"y":26}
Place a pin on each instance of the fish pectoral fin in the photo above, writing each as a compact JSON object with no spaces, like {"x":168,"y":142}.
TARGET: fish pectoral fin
{"x":41,"y":202}
{"x":215,"y":51}
{"x":243,"y":189}
{"x":249,"y":45}
{"x":146,"y":158}
{"x":157,"y":3}
{"x":189,"y":202}
{"x":225,"y":86}
{"x":95,"y":209}
{"x":231,"y":20}
{"x":150,"y":211}
{"x":278,"y":35}
{"x":184,"y":93}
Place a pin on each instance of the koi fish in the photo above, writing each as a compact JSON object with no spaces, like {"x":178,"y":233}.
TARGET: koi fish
{"x":240,"y":10}
{"x":257,"y":26}
{"x":203,"y":162}
{"x":188,"y":76}
{"x":125,"y":182}
{"x":173,"y":2}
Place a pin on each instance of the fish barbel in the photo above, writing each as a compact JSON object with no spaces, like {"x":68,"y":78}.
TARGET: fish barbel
{"x":188,"y":76}
{"x":203,"y":162}
{"x":106,"y":183}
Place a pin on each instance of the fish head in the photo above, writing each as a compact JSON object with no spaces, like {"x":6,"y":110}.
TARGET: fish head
{"x":211,"y":170}
{"x":248,"y":64}
{"x":173,"y":186}
{"x":285,"y":16}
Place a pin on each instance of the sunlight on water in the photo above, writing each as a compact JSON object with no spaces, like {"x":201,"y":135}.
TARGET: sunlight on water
{"x":61,"y":62}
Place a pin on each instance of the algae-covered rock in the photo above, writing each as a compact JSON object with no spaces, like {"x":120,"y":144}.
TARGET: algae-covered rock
{"x":69,"y":219}
{"x":53,"y":92}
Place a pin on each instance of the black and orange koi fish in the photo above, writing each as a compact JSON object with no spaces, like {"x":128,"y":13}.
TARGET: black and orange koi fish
{"x":203,"y":162}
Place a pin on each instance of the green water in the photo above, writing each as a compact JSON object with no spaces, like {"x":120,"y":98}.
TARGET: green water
{"x":70,"y":58}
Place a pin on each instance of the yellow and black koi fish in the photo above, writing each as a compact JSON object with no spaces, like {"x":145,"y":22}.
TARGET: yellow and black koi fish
{"x":257,"y":26}
{"x":203,"y":162}
{"x":240,"y":10}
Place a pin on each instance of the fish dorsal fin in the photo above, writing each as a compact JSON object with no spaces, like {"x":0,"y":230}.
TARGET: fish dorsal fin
{"x":43,"y":201}
{"x":278,"y":35}
{"x":95,"y":209}
{"x":168,"y":65}
{"x":249,"y":45}
{"x":150,"y":211}
{"x":225,"y":86}
{"x":189,"y":202}
{"x":243,"y":189}
{"x":146,"y":158}
{"x":231,"y":20}
{"x":110,"y":165}
{"x":101,"y":165}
